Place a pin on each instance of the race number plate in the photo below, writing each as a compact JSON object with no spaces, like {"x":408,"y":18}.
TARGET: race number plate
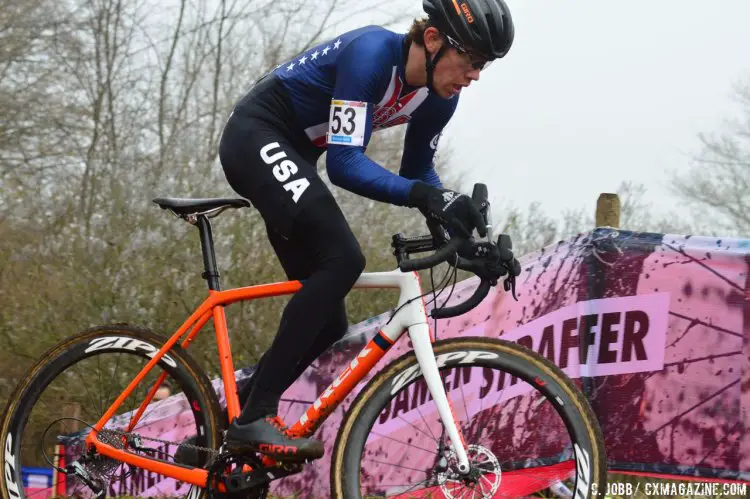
{"x":346,"y":123}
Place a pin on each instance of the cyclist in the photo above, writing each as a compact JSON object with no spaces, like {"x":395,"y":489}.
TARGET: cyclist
{"x":332,"y":97}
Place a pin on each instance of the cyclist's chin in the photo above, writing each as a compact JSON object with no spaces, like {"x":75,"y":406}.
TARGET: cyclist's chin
{"x":445,"y":91}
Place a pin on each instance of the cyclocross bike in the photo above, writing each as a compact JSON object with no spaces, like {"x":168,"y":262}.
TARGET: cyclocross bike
{"x":457,"y":418}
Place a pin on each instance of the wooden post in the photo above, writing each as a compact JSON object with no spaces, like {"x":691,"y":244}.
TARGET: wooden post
{"x":71,"y":410}
{"x":608,"y":210}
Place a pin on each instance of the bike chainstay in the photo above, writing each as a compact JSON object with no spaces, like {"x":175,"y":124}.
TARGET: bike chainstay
{"x":239,"y":481}
{"x":134,"y":437}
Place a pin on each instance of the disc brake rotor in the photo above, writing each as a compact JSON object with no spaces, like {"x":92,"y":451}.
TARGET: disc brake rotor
{"x":483,"y":478}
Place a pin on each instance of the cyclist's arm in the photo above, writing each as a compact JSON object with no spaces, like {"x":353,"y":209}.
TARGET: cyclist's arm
{"x":365,"y":62}
{"x":420,"y":144}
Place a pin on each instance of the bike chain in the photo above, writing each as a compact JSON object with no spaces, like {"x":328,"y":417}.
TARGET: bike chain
{"x":212,"y":452}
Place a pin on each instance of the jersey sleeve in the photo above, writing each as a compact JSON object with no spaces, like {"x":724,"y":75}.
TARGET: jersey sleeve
{"x":361,"y":68}
{"x":420,"y":144}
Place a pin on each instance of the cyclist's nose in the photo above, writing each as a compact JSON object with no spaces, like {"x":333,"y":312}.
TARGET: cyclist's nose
{"x":473,"y":74}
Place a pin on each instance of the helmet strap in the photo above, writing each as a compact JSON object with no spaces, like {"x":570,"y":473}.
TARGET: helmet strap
{"x":430,"y":63}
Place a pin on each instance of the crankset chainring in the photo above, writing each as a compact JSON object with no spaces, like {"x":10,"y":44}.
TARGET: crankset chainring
{"x":483,"y":478}
{"x":228,"y":461}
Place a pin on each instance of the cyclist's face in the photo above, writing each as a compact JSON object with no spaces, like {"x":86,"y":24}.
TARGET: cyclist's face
{"x":455,"y":69}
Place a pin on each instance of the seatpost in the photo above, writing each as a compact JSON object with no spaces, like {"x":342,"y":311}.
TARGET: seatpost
{"x":211,"y":273}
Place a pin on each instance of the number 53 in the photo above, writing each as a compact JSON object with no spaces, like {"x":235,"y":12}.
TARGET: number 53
{"x":349,"y":126}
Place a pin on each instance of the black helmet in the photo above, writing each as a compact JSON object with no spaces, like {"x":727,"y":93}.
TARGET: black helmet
{"x":482,"y":26}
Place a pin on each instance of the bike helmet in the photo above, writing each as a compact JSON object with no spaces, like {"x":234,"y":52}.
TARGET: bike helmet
{"x":483,"y":27}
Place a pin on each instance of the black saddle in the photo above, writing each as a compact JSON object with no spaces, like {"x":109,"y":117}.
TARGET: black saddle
{"x":185,"y":208}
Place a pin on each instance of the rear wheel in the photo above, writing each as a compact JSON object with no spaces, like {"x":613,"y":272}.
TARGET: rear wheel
{"x":528,"y":430}
{"x":71,"y":387}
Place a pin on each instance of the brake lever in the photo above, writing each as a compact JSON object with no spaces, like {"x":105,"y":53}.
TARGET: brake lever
{"x":488,"y":222}
{"x":509,"y":284}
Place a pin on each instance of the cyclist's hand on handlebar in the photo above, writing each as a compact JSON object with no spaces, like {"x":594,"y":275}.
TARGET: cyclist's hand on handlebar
{"x":490,"y":260}
{"x":453,"y":210}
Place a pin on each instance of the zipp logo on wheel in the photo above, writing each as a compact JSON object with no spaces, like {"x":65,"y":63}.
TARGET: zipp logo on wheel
{"x":450,"y":358}
{"x":127,"y":343}
{"x":10,"y":470}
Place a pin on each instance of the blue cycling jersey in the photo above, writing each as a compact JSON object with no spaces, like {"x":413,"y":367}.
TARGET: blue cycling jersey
{"x":367,"y":65}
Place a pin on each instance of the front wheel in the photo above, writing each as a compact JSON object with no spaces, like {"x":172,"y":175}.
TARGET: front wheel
{"x":527,"y":429}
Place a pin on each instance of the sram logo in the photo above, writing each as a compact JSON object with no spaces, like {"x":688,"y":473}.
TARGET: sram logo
{"x":450,"y":358}
{"x":284,"y":170}
{"x":127,"y":343}
{"x":10,"y":468}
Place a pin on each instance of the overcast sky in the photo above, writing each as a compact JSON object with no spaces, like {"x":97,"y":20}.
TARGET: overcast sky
{"x":596,"y":92}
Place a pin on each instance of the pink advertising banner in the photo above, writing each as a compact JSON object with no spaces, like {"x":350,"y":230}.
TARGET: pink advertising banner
{"x":653,"y":328}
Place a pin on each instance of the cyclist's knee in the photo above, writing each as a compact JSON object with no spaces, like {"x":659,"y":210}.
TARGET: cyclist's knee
{"x":351,"y":261}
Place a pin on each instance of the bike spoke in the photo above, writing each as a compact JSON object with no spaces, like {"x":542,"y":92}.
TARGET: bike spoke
{"x":405,"y":443}
{"x":395,"y":465}
{"x":113,"y":382}
{"x":426,"y":424}
{"x":488,"y":457}
{"x":463,"y":398}
{"x":86,"y":389}
{"x":418,"y":429}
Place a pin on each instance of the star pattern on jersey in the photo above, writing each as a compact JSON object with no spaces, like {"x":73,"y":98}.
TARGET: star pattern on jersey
{"x":302,"y":60}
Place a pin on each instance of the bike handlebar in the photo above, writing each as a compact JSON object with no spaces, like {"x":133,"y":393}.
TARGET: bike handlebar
{"x":440,"y":256}
{"x":449,"y":252}
{"x":480,"y":294}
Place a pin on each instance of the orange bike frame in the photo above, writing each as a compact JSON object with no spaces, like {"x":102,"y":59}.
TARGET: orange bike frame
{"x":411,"y":316}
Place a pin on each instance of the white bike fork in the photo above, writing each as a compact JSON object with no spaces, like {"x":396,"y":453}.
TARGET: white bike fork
{"x":412,"y":317}
{"x":420,"y":338}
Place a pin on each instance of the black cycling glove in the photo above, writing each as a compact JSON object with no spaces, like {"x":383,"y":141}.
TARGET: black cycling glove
{"x":453,"y":210}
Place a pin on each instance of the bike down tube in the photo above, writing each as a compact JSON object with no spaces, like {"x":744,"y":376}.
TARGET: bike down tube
{"x":363,"y":363}
{"x":341,"y":386}
{"x":410,"y":311}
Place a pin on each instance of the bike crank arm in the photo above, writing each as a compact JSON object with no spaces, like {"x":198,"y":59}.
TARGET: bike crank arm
{"x":241,"y":481}
{"x":420,"y":338}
